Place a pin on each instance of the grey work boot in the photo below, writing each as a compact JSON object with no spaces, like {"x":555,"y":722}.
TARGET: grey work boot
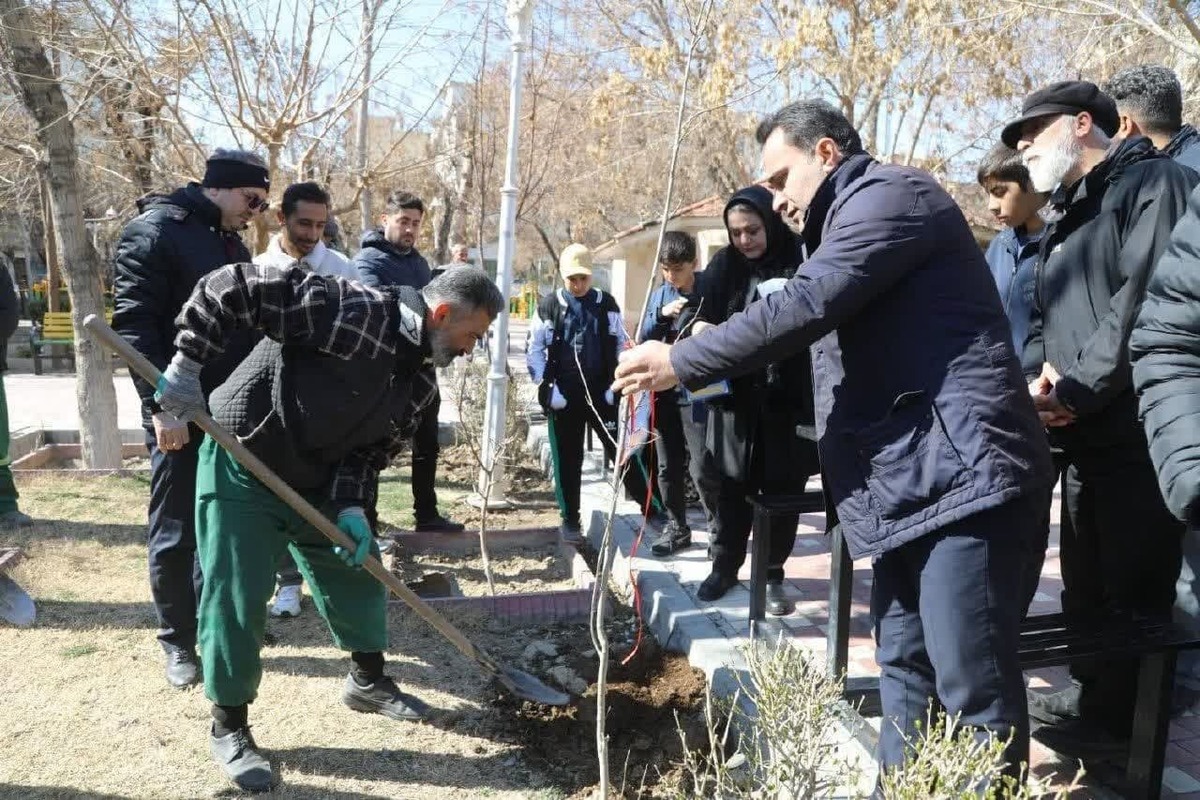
{"x":15,"y":519}
{"x":238,"y":757}
{"x":383,"y":697}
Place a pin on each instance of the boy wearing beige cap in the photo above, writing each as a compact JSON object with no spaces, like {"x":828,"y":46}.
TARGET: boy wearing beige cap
{"x":572,"y":357}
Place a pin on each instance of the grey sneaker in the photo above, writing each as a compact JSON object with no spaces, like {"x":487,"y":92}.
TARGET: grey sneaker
{"x":383,"y":697}
{"x":183,"y":670}
{"x":673,"y":537}
{"x":238,"y":757}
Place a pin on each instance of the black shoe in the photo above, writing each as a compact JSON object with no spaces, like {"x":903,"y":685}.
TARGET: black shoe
{"x":1082,"y":740}
{"x":183,"y":670}
{"x":238,"y":757}
{"x":778,"y":604}
{"x":571,"y":532}
{"x":383,"y":697}
{"x":673,"y":537}
{"x":1054,"y":708}
{"x":439,"y":524}
{"x":715,"y":586}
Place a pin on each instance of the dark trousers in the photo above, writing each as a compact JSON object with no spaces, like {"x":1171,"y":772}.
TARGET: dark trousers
{"x":567,"y":428}
{"x":425,"y":450}
{"x":777,"y":465}
{"x":947,"y":609}
{"x":680,"y":439}
{"x":1121,"y":553}
{"x":175,"y":578}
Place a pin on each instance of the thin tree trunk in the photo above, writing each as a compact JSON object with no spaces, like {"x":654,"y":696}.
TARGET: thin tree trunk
{"x":365,"y":219}
{"x":43,"y":99}
{"x":53,"y":275}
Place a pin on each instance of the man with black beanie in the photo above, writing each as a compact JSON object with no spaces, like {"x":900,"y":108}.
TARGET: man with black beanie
{"x":174,"y":241}
{"x":1114,"y":206}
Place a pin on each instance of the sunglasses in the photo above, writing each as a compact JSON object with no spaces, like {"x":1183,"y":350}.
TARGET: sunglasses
{"x":256,"y":203}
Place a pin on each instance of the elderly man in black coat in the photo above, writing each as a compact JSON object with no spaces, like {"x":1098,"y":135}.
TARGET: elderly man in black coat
{"x":930,"y":446}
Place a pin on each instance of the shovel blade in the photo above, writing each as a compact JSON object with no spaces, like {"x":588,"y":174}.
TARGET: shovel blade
{"x":527,"y":687}
{"x":16,"y":607}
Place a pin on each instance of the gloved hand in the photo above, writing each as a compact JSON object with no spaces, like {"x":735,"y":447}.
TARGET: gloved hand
{"x":608,"y":397}
{"x":557,"y":401}
{"x":353,"y":522}
{"x":179,"y":391}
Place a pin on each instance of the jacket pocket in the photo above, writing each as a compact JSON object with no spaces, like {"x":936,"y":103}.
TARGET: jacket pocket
{"x":908,"y":458}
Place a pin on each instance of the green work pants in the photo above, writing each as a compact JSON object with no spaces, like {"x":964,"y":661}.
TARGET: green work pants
{"x":242,"y":528}
{"x":8,"y":489}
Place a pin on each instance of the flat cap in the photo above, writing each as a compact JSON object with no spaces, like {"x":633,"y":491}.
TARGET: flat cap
{"x":1065,"y":97}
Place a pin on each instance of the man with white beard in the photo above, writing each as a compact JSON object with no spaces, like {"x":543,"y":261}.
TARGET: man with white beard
{"x":1114,"y":205}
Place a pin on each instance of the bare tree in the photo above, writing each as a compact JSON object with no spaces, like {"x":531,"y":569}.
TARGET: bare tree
{"x":29,"y":69}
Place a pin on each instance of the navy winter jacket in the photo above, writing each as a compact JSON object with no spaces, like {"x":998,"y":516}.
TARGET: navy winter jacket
{"x":380,"y":263}
{"x":1184,"y":147}
{"x":1014,"y":268}
{"x":923,"y":415}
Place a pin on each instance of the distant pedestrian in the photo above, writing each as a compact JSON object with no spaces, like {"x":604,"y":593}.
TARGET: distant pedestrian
{"x":459,"y":257}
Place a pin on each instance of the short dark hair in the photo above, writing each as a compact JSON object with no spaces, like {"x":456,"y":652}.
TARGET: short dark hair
{"x":308,"y":191}
{"x":806,"y":122}
{"x":1151,"y":95}
{"x":677,"y":248}
{"x":465,"y":289}
{"x":398,"y":201}
{"x":1002,"y":163}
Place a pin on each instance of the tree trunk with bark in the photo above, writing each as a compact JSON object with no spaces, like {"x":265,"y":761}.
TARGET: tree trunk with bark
{"x":43,"y":99}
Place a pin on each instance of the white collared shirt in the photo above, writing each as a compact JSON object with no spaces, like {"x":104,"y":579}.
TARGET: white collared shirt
{"x":321,"y":260}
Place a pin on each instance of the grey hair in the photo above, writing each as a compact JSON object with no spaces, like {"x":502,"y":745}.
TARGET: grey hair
{"x":242,"y":156}
{"x":465,"y":289}
{"x":807,"y":122}
{"x":456,"y":245}
{"x":1151,"y":95}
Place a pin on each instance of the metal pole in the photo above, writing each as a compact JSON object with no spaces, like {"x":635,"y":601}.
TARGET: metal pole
{"x":519,"y":15}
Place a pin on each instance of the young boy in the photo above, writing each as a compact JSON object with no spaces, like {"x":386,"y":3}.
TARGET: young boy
{"x":678,"y":423}
{"x":1012,"y":255}
{"x":573,"y":349}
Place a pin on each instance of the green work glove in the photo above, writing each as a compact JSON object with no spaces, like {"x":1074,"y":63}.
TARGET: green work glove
{"x":353,"y":522}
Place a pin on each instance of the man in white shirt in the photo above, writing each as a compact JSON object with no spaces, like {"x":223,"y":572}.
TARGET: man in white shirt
{"x":303,"y":216}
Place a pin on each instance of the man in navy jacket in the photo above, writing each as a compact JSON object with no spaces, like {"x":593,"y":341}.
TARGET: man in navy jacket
{"x":930,"y":446}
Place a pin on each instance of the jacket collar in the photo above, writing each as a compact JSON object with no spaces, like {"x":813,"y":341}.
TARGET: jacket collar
{"x":411,"y":324}
{"x":375,"y":238}
{"x":277,"y":256}
{"x":1121,"y":154}
{"x":1185,"y":138}
{"x":851,"y":169}
{"x":564,"y":299}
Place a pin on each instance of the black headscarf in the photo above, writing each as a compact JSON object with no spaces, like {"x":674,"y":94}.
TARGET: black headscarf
{"x":727,"y":278}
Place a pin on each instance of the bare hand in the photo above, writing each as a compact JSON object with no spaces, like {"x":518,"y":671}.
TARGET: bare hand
{"x":699,"y":326}
{"x":170,"y":432}
{"x":672,"y":309}
{"x":646,"y":367}
{"x":1051,"y":412}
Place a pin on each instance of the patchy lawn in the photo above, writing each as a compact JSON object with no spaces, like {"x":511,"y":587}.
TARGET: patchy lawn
{"x":87,"y":711}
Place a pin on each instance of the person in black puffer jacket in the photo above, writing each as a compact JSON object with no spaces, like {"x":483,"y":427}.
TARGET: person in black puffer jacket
{"x":176,"y":240}
{"x":752,"y":432}
{"x":10,"y":515}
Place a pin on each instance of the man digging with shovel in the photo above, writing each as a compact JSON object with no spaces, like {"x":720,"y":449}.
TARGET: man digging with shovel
{"x":326,"y":400}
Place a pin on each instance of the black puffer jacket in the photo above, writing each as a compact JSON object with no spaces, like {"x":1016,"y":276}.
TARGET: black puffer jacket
{"x":9,"y":314}
{"x":175,"y":241}
{"x":1165,"y":349}
{"x":1094,"y":265}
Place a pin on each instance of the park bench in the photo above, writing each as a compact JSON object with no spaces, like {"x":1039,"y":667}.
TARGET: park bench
{"x":1046,"y":640}
{"x":55,"y":330}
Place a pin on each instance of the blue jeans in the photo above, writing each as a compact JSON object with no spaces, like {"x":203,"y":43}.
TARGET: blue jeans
{"x":947,"y":610}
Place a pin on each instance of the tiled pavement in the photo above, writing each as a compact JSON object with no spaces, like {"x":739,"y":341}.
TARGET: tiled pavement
{"x":808,"y":575}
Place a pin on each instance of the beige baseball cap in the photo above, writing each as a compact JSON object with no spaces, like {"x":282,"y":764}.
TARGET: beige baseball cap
{"x":576,"y":259}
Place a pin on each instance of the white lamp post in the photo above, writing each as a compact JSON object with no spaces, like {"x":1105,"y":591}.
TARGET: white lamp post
{"x":519,"y":14}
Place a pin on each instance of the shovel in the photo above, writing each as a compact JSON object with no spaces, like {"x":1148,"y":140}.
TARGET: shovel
{"x":16,"y":606}
{"x":520,"y":684}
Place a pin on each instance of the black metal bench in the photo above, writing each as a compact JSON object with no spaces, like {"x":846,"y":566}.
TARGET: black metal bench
{"x":1048,"y":640}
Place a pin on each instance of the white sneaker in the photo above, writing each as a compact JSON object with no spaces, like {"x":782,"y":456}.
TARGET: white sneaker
{"x":287,"y":602}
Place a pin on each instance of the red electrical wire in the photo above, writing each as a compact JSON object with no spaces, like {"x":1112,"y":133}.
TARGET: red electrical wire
{"x":637,"y":542}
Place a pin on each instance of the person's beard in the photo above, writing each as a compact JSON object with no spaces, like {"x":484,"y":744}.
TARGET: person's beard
{"x":1050,"y":168}
{"x":442,"y":352}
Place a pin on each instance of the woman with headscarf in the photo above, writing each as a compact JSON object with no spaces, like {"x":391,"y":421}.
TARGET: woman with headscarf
{"x":752,"y":431}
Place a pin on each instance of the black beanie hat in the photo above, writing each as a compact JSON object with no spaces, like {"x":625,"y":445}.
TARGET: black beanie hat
{"x":223,"y":172}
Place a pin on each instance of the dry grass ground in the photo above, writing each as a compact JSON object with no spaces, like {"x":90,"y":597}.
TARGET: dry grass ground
{"x":86,"y":711}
